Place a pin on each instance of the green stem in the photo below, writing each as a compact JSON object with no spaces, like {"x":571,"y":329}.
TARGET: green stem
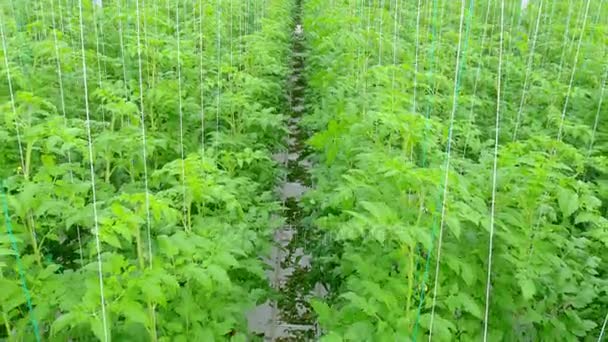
{"x":140,"y":255}
{"x":153,"y":335}
{"x":108,"y":170}
{"x":32,"y":230}
{"x":7,"y":325}
{"x":410,"y":284}
{"x":28,"y":160}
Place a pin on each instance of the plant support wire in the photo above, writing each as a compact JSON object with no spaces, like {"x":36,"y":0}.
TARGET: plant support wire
{"x":92,"y":172}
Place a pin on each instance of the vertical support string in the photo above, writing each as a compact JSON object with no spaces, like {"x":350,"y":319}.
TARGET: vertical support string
{"x":12,"y":97}
{"x":63,"y":112}
{"x":92,"y":171}
{"x":477,"y":76}
{"x":145,"y":159}
{"x":433,"y":28}
{"x":381,"y":35}
{"x":201,"y":80}
{"x":599,"y":339}
{"x":574,"y":65}
{"x":494,"y":172}
{"x":416,"y":53}
{"x":97,"y":55}
{"x":565,"y":40}
{"x":597,"y":114}
{"x":395,"y":35}
{"x":219,"y":70}
{"x":528,"y":70}
{"x":181,"y":115}
{"x":122,"y":45}
{"x":445,"y":185}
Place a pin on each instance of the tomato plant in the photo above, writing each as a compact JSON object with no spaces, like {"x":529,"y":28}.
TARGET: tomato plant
{"x":180,"y":235}
{"x":380,"y":120}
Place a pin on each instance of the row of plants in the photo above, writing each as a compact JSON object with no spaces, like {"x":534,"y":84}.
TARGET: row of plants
{"x":185,"y":106}
{"x":401,"y":230}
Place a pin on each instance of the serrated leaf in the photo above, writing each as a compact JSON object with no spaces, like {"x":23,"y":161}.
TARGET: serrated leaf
{"x":470,"y":305}
{"x":568,"y":202}
{"x":135,"y":313}
{"x":63,"y":321}
{"x":219,"y":275}
{"x":322,"y":309}
{"x":586,"y":217}
{"x":528,"y":289}
{"x":97,"y":327}
{"x":454,"y":225}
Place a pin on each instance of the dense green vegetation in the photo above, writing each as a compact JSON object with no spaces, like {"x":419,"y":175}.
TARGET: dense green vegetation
{"x":459,"y":168}
{"x":384,"y":126}
{"x":182,"y":227}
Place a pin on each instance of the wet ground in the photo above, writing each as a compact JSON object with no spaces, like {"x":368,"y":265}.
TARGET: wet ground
{"x":288,"y":317}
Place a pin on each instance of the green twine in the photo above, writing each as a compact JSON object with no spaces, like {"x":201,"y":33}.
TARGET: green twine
{"x":26,"y":292}
{"x":456,"y":92}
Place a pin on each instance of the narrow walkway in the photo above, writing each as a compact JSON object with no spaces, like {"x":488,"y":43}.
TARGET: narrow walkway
{"x":288,"y":317}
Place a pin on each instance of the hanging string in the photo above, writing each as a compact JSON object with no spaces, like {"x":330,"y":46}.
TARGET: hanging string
{"x":144,"y":28}
{"x":494,"y":171}
{"x":599,"y":11}
{"x":381,"y":35}
{"x":122,"y":46}
{"x":20,"y":268}
{"x":181,"y":115}
{"x":100,"y":75}
{"x":416,"y":53}
{"x":219,"y":71}
{"x":528,"y":70}
{"x":360,"y":9}
{"x":445,"y":185}
{"x":597,"y":114}
{"x":395,"y":31}
{"x":92,"y":170}
{"x":599,"y":339}
{"x":230,"y":81}
{"x":240,"y":33}
{"x":578,"y":49}
{"x":565,"y":40}
{"x":12,"y":96}
{"x":471,"y":118}
{"x":143,"y":131}
{"x":367,"y":42}
{"x":201,"y":80}
{"x":145,"y":154}
{"x":73,"y":54}
{"x":63,"y":112}
{"x":434,"y":28}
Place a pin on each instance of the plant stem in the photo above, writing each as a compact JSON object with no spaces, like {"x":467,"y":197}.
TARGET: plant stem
{"x":31,"y":227}
{"x":7,"y":325}
{"x":28,"y":160}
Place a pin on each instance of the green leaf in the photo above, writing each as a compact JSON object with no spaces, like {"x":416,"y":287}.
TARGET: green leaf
{"x":6,"y":251}
{"x":331,"y":337}
{"x":586,"y":217}
{"x":454,"y":225}
{"x":568,"y":202}
{"x":470,"y":305}
{"x":219,"y":275}
{"x":62,"y":322}
{"x":528,"y":289}
{"x":322,"y":309}
{"x":97,"y":327}
{"x":134,"y":312}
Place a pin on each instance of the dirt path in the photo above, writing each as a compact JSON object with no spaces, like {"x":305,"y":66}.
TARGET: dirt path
{"x":288,"y":317}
